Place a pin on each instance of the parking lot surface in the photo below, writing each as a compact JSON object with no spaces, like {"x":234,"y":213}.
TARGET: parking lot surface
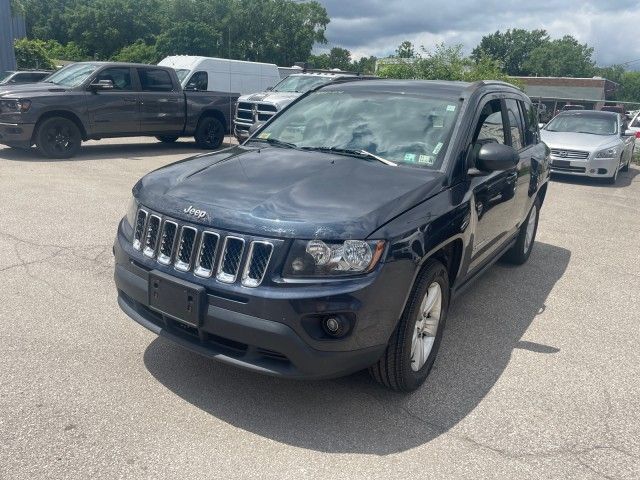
{"x":538,"y":375}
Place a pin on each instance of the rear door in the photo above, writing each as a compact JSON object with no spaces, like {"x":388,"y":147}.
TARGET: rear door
{"x":162,"y":104}
{"x":114,"y":112}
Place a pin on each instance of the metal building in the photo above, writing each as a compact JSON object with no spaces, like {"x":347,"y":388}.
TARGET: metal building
{"x":10,"y":28}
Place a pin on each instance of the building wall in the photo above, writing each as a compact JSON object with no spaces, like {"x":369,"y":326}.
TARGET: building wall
{"x":10,"y":29}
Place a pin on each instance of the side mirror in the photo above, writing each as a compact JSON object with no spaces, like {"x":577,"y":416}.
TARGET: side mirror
{"x":102,"y":85}
{"x":255,"y":127}
{"x":541,"y":125}
{"x":628,"y":133}
{"x":269,"y":89}
{"x":192,"y":87}
{"x":495,"y":156}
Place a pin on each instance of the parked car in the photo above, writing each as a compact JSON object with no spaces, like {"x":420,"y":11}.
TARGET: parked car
{"x":23,"y":76}
{"x":590,"y":143}
{"x":613,"y":108}
{"x":258,"y":108}
{"x":634,"y":126}
{"x":233,"y":77}
{"x":94,"y":100}
{"x":337,"y":236}
{"x":568,"y":107}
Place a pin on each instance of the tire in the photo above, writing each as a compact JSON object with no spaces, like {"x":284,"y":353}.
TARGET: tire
{"x":613,"y":178}
{"x":401,"y":368}
{"x":626,"y":165}
{"x":209,"y":133}
{"x":521,"y":250}
{"x":167,"y":138}
{"x":58,"y":137}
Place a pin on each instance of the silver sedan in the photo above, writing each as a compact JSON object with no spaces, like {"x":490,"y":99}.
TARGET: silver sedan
{"x":589,"y":143}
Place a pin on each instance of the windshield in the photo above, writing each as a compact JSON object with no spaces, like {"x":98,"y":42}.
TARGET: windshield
{"x":594,"y":125}
{"x":182,"y":73}
{"x":5,"y":75}
{"x":72,"y":75}
{"x":405,"y":129}
{"x":300,"y":84}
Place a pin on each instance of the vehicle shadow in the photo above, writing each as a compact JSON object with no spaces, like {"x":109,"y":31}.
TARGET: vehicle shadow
{"x":95,"y":150}
{"x":356,"y":415}
{"x":624,"y":179}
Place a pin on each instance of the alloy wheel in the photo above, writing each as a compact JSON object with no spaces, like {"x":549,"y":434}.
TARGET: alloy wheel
{"x":426,"y":328}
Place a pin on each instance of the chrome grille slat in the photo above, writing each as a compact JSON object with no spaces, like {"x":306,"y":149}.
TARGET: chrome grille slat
{"x":229,"y":265}
{"x":167,"y":242}
{"x":206,"y":257}
{"x":141,"y":224}
{"x":569,"y":154}
{"x":151,"y":236}
{"x":256,"y":265}
{"x":185,"y":249}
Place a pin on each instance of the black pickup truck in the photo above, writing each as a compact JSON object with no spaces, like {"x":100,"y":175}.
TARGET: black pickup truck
{"x":94,"y":100}
{"x":336,"y":236}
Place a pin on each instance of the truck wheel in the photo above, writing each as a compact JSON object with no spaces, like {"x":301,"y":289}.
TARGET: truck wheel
{"x":521,"y":250}
{"x":414,"y":343}
{"x":167,"y":139}
{"x":210,"y":133}
{"x":58,"y":137}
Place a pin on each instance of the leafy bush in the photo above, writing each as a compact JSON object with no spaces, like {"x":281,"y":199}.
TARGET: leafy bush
{"x":32,"y":54}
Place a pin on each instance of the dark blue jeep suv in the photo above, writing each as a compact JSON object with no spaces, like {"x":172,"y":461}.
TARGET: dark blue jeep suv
{"x":335,"y":238}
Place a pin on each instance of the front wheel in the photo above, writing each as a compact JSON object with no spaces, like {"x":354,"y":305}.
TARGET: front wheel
{"x":612,"y":179}
{"x":414,"y":343}
{"x":626,"y":165}
{"x":209,"y":133}
{"x":58,"y":137}
{"x":521,"y":250}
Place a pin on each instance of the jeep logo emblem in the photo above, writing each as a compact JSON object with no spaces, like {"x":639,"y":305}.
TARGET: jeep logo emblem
{"x":190,"y":210}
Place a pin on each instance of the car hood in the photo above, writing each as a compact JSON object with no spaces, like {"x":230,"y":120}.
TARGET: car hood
{"x":287,"y":193}
{"x":280,"y":99}
{"x":577,"y":141}
{"x":30,"y":88}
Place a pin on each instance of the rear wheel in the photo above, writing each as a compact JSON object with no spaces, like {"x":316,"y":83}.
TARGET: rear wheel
{"x":209,"y":133}
{"x":58,"y":137}
{"x":521,"y":250}
{"x":167,"y":138}
{"x":414,"y":343}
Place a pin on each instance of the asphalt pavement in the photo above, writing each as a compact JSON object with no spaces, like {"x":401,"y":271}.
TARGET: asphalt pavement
{"x":538,"y":374}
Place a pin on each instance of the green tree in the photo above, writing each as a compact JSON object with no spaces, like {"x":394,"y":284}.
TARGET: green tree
{"x":366,"y":65}
{"x":405,"y":50}
{"x":564,"y":57}
{"x":192,"y":38}
{"x":630,"y":83}
{"x":71,"y":51}
{"x":511,"y":48}
{"x":32,"y":54}
{"x":138,"y":52}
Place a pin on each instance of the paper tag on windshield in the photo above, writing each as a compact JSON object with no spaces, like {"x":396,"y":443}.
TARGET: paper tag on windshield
{"x":451,"y":108}
{"x":264,"y":136}
{"x":426,"y":159}
{"x":438,"y":148}
{"x":410,"y":157}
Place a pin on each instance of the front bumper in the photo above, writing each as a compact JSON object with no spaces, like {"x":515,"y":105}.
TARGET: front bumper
{"x":591,"y":167}
{"x":16,"y":134}
{"x":241,"y":131}
{"x":262,"y":329}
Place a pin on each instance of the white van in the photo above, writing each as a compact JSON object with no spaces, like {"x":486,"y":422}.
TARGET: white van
{"x":222,"y":75}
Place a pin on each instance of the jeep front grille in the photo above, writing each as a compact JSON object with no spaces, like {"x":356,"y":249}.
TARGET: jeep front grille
{"x":203,"y":252}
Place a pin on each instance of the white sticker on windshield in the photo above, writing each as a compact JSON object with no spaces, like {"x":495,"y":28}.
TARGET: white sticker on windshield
{"x":438,"y":148}
{"x":426,"y":159}
{"x":451,"y":108}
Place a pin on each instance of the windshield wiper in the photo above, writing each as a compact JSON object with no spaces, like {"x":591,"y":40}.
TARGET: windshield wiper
{"x":276,"y":142}
{"x":353,"y":153}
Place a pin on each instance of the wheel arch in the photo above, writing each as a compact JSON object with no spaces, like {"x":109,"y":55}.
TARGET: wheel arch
{"x":212,"y":112}
{"x":64,"y":114}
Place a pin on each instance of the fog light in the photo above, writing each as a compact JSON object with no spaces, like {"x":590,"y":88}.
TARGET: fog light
{"x":334,"y":326}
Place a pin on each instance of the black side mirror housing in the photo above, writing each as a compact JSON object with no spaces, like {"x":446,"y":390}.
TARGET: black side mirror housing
{"x":495,"y":156}
{"x":269,"y":89}
{"x":255,"y":127}
{"x":102,"y":85}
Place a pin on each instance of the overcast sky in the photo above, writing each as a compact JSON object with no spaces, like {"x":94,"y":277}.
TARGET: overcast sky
{"x":377,"y":27}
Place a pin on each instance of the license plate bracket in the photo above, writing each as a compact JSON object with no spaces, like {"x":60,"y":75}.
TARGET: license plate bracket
{"x":176,"y":298}
{"x":561,"y":163}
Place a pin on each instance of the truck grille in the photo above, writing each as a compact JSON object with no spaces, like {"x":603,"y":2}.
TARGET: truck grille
{"x":202,"y":252}
{"x":249,"y":113}
{"x":570,"y":154}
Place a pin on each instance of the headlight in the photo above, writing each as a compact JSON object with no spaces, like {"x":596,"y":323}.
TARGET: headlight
{"x":608,"y":153}
{"x":131,"y":211}
{"x":315,"y":258}
{"x":15,"y":106}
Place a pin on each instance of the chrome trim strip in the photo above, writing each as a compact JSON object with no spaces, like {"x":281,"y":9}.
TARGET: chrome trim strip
{"x":179,"y":264}
{"x":164,"y":259}
{"x":148,"y":250}
{"x":223,"y":276}
{"x":137,"y":242}
{"x":199,"y":270}
{"x":255,"y":282}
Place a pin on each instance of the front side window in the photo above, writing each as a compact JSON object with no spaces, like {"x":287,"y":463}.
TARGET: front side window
{"x":155,"y":80}
{"x":300,"y":84}
{"x":120,"y":77}
{"x":411,"y":130}
{"x":199,"y":81}
{"x":490,"y":127}
{"x":73,"y":75}
{"x":531,"y":123}
{"x":591,"y":124}
{"x":516,"y":124}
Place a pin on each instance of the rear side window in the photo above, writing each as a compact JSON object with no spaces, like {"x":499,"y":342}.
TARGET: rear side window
{"x":516,"y":124}
{"x":155,"y":80}
{"x":199,"y":81}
